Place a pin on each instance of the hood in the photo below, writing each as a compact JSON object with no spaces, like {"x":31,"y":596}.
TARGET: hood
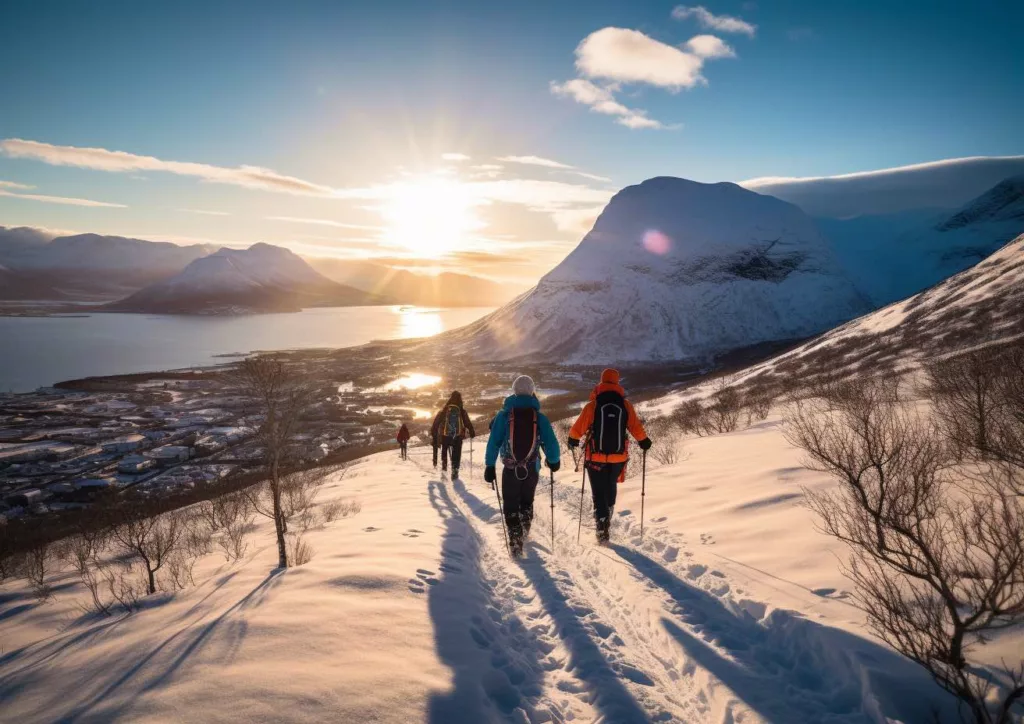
{"x":519,"y":401}
{"x":609,"y":383}
{"x":455,"y":399}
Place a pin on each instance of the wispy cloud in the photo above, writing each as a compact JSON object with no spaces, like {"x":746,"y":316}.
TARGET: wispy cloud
{"x":534,"y":161}
{"x":593,"y":176}
{"x":205,"y":212}
{"x":709,"y":46}
{"x":707,"y":19}
{"x":13,"y":185}
{"x":602,"y":100}
{"x":101,"y":159}
{"x":456,"y":157}
{"x":67,"y":201}
{"x":322,"y":222}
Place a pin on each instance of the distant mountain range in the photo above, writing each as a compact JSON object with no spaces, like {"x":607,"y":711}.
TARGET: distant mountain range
{"x":443,"y":290}
{"x":262,"y":278}
{"x":91,"y":267}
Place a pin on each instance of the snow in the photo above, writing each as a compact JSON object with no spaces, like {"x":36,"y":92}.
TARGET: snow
{"x":675,"y":270}
{"x":939,"y":184}
{"x":731,"y":608}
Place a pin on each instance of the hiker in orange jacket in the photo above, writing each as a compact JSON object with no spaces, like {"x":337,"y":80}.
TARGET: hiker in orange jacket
{"x":604,"y":422}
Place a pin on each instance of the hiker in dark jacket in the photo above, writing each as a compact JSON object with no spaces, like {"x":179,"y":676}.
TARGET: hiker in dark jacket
{"x":450,"y":427}
{"x":403,"y":441}
{"x":518,"y":433}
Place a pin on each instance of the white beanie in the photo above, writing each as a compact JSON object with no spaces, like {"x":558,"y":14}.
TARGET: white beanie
{"x":524,"y":386}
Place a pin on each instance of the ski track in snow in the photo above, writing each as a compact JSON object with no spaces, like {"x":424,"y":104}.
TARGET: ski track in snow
{"x":635,"y":632}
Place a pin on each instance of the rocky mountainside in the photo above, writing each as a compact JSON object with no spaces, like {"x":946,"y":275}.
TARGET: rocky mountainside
{"x":675,"y":270}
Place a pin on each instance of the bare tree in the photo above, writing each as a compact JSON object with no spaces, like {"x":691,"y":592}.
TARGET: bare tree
{"x":281,"y":394}
{"x":38,"y":562}
{"x":83,"y":550}
{"x":938,"y":562}
{"x":691,"y":417}
{"x":758,"y":403}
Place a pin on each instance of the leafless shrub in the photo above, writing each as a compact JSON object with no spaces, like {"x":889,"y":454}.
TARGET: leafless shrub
{"x":299,"y":551}
{"x":723,"y":414}
{"x":123,"y":585}
{"x":39,"y":560}
{"x":339,"y":508}
{"x":938,"y":562}
{"x":964,"y":392}
{"x":235,"y":516}
{"x":149,"y":541}
{"x":759,"y":403}
{"x":12,"y":565}
{"x":83,"y":552}
{"x":691,"y":418}
{"x":668,"y":437}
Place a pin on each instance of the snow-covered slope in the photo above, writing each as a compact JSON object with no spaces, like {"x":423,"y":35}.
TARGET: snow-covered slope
{"x":891,"y":257}
{"x":262,"y":278}
{"x":983,"y":305}
{"x":939,"y":184}
{"x":675,"y":270}
{"x":731,"y":609}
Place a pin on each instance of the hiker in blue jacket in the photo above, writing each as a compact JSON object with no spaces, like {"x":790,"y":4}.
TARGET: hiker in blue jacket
{"x":518,"y":433}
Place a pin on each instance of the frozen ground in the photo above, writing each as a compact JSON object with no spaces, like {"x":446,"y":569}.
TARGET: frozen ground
{"x":730,"y":609}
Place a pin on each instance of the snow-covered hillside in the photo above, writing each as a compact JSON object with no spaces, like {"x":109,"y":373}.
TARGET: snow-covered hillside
{"x":891,"y":257}
{"x":980,"y":306}
{"x":729,"y":610}
{"x":675,"y":270}
{"x":262,"y":278}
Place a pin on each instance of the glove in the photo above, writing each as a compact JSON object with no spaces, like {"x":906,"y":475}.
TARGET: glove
{"x":554,"y":466}
{"x":490,"y":474}
{"x":573,"y":443}
{"x":645,"y":444}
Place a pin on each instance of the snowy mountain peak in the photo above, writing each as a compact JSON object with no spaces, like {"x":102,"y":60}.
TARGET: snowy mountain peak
{"x":676,"y":269}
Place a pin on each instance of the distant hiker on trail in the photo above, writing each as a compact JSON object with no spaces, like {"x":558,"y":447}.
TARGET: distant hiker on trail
{"x":403,"y":441}
{"x":450,"y":428}
{"x":604,"y":423}
{"x":518,"y":433}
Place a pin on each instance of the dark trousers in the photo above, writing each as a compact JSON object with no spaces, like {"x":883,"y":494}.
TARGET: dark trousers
{"x":403,"y":448}
{"x":604,"y":479}
{"x":517,"y":501}
{"x":452,"y":446}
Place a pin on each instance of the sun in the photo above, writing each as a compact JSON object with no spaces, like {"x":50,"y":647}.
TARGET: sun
{"x":431,"y":216}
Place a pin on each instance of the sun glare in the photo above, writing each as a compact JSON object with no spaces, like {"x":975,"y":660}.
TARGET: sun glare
{"x":430,"y":216}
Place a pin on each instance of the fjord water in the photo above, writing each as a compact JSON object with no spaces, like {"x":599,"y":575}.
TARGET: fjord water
{"x":39,"y":351}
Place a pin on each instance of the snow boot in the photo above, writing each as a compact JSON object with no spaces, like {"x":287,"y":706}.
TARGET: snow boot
{"x":603,"y":531}
{"x":455,"y":473}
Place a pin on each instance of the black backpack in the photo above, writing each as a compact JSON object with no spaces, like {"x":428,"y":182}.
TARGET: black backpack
{"x":523,"y":445}
{"x":608,"y":431}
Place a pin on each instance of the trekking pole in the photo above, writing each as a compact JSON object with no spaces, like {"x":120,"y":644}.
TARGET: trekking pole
{"x":583,"y":482}
{"x":643,"y":494}
{"x":471,"y":459}
{"x":552,"y":512}
{"x":501,"y":515}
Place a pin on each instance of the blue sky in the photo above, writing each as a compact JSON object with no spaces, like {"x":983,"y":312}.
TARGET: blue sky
{"x":358,"y":101}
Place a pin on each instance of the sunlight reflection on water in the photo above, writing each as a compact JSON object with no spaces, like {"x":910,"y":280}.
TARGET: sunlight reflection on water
{"x":418,"y":322}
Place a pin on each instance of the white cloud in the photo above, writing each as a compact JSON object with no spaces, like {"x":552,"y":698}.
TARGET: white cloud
{"x":709,"y":46}
{"x":488,"y":167}
{"x":602,"y":100}
{"x":534,"y":161}
{"x":62,"y":200}
{"x":457,"y":157}
{"x":13,"y":185}
{"x":593,"y":176}
{"x":321,"y":222}
{"x":629,"y":56}
{"x":707,"y":19}
{"x":101,"y":159}
{"x":205,"y":212}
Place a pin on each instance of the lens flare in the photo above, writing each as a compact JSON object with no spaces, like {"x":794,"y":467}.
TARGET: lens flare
{"x":657,"y":242}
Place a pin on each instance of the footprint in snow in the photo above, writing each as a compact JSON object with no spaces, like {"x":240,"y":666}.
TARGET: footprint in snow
{"x":370,"y":529}
{"x":412,"y":533}
{"x":662,"y":519}
{"x":707,"y":539}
